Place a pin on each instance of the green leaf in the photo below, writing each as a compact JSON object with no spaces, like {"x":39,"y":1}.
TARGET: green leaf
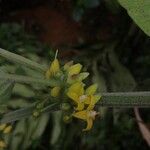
{"x":26,"y":112}
{"x":5,"y":91}
{"x":139,"y":11}
{"x":21,"y":60}
{"x":16,"y":103}
{"x":57,"y":128}
{"x":18,"y":114}
{"x":28,"y":80}
{"x":27,"y":132}
{"x":23,"y":90}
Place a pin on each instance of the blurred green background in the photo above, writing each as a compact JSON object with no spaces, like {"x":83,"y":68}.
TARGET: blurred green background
{"x":100,"y":35}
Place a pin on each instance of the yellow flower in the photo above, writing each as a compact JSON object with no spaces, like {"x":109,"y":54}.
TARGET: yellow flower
{"x":7,"y":129}
{"x":83,"y":97}
{"x":2,"y":126}
{"x":53,"y":69}
{"x":76,"y":93}
{"x":55,"y":91}
{"x":86,"y":115}
{"x":74,"y":74}
{"x":2,"y":144}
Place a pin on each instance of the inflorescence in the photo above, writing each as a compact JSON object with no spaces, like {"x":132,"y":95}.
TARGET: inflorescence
{"x":75,"y":99}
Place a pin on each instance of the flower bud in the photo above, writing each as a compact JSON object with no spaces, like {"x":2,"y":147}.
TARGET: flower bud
{"x":55,"y":91}
{"x":75,"y":69}
{"x":91,"y":89}
{"x":53,"y":69}
{"x":65,"y":106}
{"x":39,"y":106}
{"x":67,"y":118}
{"x":36,"y":114}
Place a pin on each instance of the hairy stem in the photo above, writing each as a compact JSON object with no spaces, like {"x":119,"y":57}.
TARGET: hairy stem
{"x":28,"y":80}
{"x":21,"y":60}
{"x":125,"y":99}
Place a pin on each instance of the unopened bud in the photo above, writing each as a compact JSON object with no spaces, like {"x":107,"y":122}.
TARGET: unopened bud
{"x":55,"y":91}
{"x":36,"y":114}
{"x":67,"y":118}
{"x":65,"y":106}
{"x":39,"y":106}
{"x":75,"y":69}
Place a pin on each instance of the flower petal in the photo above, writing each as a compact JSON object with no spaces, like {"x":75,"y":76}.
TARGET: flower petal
{"x":77,"y":77}
{"x":91,"y":89}
{"x":80,"y":106}
{"x":97,"y":98}
{"x":88,"y":100}
{"x":90,"y":107}
{"x":77,"y":88}
{"x":94,"y":99}
{"x":75,"y":69}
{"x":73,"y":96}
{"x":80,"y":115}
{"x":82,"y":76}
{"x":89,"y":124}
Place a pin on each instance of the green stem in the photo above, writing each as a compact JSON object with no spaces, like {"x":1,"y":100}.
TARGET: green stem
{"x":28,"y":80}
{"x":125,"y":99}
{"x":21,"y":60}
{"x":121,"y":99}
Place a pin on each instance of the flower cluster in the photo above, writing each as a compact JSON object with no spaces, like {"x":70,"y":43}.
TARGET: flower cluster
{"x":85,"y":101}
{"x":82,"y":100}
